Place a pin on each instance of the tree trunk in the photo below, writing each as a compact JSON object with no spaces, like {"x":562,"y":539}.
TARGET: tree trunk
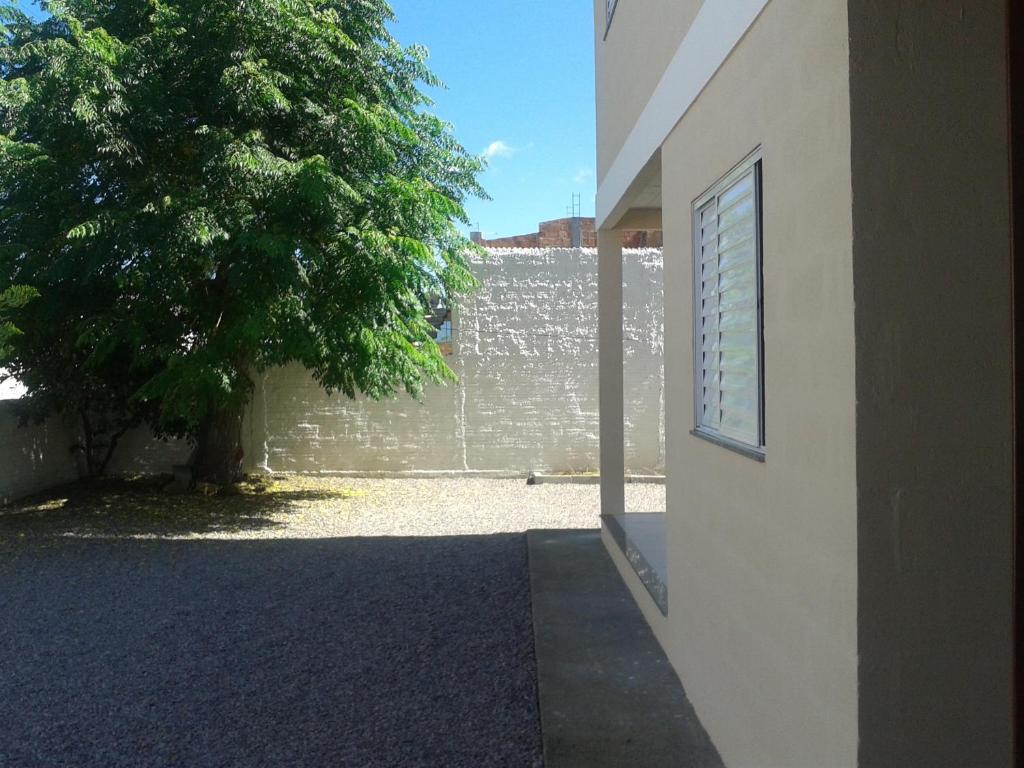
{"x":88,"y":448}
{"x":218,"y":454}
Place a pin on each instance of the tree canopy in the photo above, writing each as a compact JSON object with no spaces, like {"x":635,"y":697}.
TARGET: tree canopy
{"x":201,"y":189}
{"x":12,"y":298}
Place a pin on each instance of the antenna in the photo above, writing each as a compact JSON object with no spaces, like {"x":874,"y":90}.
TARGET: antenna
{"x":575,"y":224}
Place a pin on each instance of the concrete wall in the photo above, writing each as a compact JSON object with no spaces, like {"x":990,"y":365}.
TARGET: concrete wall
{"x":848,"y":602}
{"x":934,"y":418}
{"x":139,"y":453}
{"x":33,"y":458}
{"x":525,"y":351}
{"x":762,"y":575}
{"x":641,"y":41}
{"x":307,"y":431}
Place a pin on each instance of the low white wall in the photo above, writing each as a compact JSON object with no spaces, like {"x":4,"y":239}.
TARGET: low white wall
{"x":139,"y":453}
{"x":525,"y":351}
{"x":296,"y":427}
{"x":34,"y":457}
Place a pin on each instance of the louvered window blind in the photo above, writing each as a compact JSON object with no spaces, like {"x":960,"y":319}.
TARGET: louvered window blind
{"x":727,"y":302}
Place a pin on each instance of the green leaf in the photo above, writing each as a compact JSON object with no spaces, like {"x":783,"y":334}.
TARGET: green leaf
{"x":200,"y":190}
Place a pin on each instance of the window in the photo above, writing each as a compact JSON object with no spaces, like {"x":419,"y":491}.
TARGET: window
{"x":441,"y":318}
{"x":444,"y":331}
{"x":728,"y":316}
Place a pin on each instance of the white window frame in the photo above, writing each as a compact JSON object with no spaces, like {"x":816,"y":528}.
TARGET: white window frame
{"x":756,"y":449}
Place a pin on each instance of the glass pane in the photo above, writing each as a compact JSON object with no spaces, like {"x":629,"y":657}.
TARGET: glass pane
{"x":739,"y":189}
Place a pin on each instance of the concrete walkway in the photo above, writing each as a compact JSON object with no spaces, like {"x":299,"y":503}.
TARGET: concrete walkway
{"x":608,"y":696}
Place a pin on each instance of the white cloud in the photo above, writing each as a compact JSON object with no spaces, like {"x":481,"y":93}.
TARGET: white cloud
{"x":582,"y":176}
{"x":498,"y":149}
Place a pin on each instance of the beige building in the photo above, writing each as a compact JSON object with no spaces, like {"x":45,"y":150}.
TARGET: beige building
{"x":833,"y":579}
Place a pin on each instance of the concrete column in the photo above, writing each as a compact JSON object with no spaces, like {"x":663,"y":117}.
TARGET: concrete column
{"x":934,"y":352}
{"x":613,"y":494}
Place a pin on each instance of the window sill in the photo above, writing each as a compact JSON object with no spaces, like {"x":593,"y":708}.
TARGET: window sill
{"x":757,"y":454}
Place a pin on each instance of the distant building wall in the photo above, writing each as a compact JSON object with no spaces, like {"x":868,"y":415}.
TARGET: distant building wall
{"x":525,"y":350}
{"x":571,"y":232}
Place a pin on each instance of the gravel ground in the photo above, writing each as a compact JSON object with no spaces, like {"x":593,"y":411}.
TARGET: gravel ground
{"x":457,"y":507}
{"x":304,"y":507}
{"x":334,"y":652}
{"x":317,"y":623}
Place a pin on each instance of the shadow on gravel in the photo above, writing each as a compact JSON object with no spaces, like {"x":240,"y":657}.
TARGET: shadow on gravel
{"x":115,"y":508}
{"x":344,"y":652}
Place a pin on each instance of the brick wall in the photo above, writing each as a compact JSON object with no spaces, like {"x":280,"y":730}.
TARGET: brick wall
{"x":559,"y":234}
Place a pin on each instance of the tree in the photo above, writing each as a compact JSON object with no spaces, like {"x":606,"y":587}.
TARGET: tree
{"x":224,"y":186}
{"x":81,"y":376}
{"x":13,"y":298}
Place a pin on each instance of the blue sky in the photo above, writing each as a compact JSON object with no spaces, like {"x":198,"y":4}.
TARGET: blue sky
{"x":520,"y":73}
{"x":520,"y":83}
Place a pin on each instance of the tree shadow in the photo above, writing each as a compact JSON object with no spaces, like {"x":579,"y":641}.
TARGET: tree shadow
{"x":395,"y":652}
{"x":143,"y":508}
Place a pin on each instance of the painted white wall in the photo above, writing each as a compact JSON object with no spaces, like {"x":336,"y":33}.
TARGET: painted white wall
{"x":37,"y":457}
{"x":525,"y":351}
{"x":34,"y":457}
{"x":139,"y":453}
{"x":10,"y":389}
